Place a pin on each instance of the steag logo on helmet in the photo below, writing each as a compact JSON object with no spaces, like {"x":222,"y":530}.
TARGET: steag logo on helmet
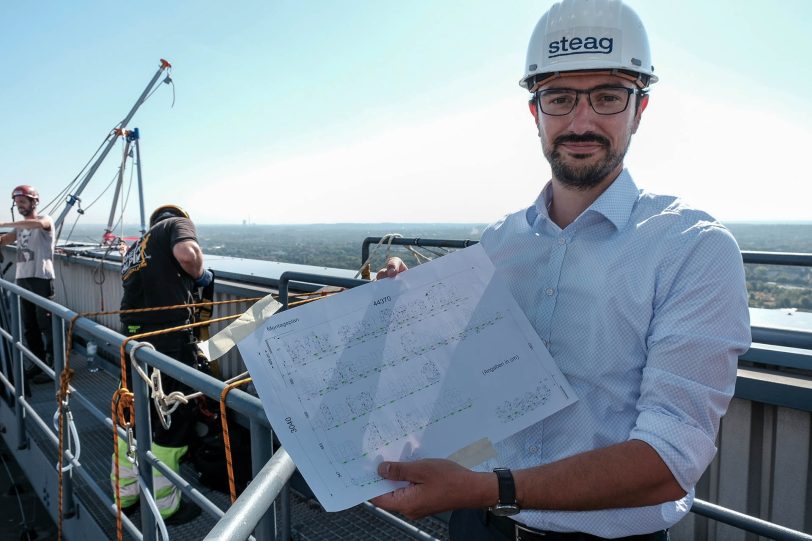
{"x":584,"y":35}
{"x":578,"y":45}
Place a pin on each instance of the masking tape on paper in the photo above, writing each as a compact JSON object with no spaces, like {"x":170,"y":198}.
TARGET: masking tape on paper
{"x":219,"y":344}
{"x":476,"y":453}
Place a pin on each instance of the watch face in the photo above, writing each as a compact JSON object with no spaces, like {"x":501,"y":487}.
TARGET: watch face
{"x":505,"y":510}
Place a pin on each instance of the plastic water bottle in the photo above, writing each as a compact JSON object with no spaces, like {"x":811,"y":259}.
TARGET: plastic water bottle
{"x":91,"y":348}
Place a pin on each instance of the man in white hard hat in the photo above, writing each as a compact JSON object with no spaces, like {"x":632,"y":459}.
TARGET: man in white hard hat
{"x":639,"y":298}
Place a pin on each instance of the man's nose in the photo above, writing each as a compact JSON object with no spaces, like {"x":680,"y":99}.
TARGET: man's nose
{"x":582,"y":117}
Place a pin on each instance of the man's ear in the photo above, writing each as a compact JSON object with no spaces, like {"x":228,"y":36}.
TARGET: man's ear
{"x":643,"y":103}
{"x":639,"y":113}
{"x":534,"y":110}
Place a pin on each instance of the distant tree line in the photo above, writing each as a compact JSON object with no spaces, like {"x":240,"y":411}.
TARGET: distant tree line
{"x":339,"y":246}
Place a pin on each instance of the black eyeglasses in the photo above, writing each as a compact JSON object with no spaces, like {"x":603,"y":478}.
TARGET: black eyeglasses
{"x":604,"y":100}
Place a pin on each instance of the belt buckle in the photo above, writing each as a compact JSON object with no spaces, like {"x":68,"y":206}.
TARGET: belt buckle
{"x":520,"y":529}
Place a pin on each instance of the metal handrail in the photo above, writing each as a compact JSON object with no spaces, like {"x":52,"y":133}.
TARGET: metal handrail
{"x":415,"y":241}
{"x":792,"y":259}
{"x":110,"y":341}
{"x":748,"y":523}
{"x":241,"y":518}
{"x":245,"y":514}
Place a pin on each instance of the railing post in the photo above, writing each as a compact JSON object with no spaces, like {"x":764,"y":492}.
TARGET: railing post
{"x":261,"y":451}
{"x":143,"y":435}
{"x":6,"y":352}
{"x":58,"y":344}
{"x":17,"y":357}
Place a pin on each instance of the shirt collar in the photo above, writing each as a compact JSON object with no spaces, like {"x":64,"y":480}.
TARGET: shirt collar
{"x":615,"y":203}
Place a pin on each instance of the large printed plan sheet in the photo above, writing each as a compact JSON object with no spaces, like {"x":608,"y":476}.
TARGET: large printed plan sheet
{"x":431,"y":363}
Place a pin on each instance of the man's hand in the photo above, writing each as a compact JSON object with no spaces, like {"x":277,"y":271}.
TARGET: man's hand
{"x":394,"y":266}
{"x":436,"y":486}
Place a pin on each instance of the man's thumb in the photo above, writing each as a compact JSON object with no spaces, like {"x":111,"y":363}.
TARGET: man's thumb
{"x":391,"y":470}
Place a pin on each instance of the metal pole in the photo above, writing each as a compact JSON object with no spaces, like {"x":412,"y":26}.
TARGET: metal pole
{"x":261,"y":451}
{"x":123,"y":124}
{"x":119,"y":182}
{"x":143,"y":434}
{"x":412,"y":531}
{"x":6,"y":362}
{"x":242,"y":516}
{"x":748,"y":523}
{"x":57,"y":341}
{"x":22,"y":441}
{"x":136,"y":136}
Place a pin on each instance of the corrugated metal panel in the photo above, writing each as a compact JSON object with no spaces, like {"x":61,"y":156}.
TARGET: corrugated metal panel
{"x":88,"y":286}
{"x":85,"y":285}
{"x":763,"y":468}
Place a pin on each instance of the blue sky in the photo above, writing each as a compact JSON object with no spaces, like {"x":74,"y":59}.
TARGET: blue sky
{"x":320,"y":112}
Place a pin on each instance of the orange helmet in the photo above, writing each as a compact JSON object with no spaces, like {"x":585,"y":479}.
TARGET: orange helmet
{"x":28,"y":191}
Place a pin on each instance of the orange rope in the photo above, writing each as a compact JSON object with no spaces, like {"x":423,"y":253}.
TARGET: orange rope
{"x":122,"y":399}
{"x":226,"y":439}
{"x":172,"y":307}
{"x":61,"y":397}
{"x":123,"y":402}
{"x":127,"y":340}
{"x":305,"y":301}
{"x":123,"y":394}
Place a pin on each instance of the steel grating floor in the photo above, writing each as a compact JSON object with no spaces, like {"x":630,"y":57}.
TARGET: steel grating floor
{"x":308,"y":521}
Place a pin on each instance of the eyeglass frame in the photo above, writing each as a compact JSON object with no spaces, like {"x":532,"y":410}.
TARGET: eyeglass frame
{"x":630,"y":91}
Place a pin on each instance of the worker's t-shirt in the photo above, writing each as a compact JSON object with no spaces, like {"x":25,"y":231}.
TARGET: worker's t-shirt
{"x":35,"y":252}
{"x":152,"y":277}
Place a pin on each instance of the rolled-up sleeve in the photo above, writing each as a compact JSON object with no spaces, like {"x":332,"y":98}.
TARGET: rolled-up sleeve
{"x":699,"y":328}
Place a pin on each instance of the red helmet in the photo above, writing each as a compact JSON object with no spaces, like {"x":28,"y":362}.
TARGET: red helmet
{"x":26,"y":190}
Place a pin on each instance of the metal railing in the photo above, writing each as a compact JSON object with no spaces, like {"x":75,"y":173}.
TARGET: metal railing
{"x":252,"y":512}
{"x":252,"y":505}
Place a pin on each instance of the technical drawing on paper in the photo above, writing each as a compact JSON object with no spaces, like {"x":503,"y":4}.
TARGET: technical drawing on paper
{"x":419,"y":366}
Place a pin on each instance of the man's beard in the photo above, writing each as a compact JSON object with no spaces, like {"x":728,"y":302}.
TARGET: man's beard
{"x":583,"y":176}
{"x":25,"y":213}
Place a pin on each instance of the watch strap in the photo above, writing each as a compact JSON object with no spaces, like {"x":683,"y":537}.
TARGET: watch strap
{"x":507,"y":486}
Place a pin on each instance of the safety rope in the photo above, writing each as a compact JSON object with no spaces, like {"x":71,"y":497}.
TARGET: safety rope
{"x":155,"y":512}
{"x":124,"y":394}
{"x":123,"y":400}
{"x":364,"y":271}
{"x":62,"y":398}
{"x":226,"y":439}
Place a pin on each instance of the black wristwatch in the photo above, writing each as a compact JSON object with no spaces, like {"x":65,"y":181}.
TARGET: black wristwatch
{"x":507,"y":505}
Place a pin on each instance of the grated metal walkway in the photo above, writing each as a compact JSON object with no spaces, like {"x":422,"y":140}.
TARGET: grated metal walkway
{"x":309,"y":522}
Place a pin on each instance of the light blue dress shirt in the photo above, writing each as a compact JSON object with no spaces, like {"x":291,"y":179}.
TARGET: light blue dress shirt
{"x":642,"y":303}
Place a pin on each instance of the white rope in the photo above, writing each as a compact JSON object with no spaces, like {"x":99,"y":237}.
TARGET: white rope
{"x":418,"y":256}
{"x":388,"y":238}
{"x":166,"y":404}
{"x":159,"y":521}
{"x":72,"y":434}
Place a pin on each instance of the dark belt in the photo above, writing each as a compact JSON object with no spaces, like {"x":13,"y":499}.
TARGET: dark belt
{"x":513,"y":530}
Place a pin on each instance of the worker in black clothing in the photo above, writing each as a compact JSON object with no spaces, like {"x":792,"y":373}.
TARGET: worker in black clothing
{"x":163,"y":268}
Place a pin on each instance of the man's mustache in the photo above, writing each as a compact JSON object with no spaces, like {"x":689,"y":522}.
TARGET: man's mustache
{"x":582,"y":138}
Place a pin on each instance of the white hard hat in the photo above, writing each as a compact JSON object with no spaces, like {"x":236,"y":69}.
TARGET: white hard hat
{"x":576,"y":35}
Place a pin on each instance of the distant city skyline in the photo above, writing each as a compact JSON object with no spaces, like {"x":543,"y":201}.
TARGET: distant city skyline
{"x":384,"y":112}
